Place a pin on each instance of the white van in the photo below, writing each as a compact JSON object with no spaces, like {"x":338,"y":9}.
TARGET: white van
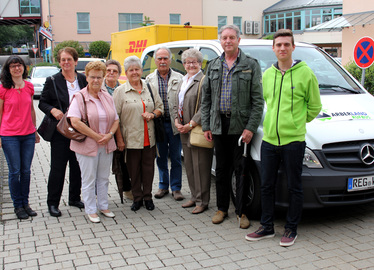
{"x":339,"y":157}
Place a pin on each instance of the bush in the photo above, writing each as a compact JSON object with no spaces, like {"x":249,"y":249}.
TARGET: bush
{"x":357,"y":73}
{"x":68,"y":43}
{"x":99,"y":49}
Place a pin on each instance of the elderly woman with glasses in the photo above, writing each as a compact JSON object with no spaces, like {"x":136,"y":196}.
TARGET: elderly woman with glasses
{"x":137,"y":109}
{"x":197,"y":160}
{"x":95,"y":153}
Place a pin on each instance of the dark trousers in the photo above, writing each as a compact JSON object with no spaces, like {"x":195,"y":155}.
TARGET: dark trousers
{"x":228,"y":157}
{"x":291,"y":156}
{"x":60,"y":155}
{"x":141,"y":166}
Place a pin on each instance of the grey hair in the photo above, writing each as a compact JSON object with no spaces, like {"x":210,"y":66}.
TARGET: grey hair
{"x":132,"y":61}
{"x":163,"y":48}
{"x":114,"y":62}
{"x":229,"y":26}
{"x":192,"y":53}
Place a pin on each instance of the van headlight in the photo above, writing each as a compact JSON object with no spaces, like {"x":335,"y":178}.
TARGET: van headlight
{"x":311,"y":160}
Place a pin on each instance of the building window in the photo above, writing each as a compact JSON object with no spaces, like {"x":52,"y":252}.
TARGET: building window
{"x":129,"y":20}
{"x":30,"y":7}
{"x":175,"y":18}
{"x":83,"y":22}
{"x":298,"y":20}
{"x":238,"y":22}
{"x":222,"y":21}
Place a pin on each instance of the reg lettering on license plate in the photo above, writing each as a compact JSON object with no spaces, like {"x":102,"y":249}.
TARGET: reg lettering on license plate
{"x":361,"y":183}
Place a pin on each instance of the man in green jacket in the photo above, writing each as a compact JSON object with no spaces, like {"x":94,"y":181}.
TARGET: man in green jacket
{"x":292,"y":97}
{"x":231,"y":106}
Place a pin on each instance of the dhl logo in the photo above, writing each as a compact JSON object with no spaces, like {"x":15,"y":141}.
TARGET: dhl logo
{"x":137,"y":46}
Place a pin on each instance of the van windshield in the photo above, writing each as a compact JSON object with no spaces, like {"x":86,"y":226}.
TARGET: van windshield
{"x":331,"y":77}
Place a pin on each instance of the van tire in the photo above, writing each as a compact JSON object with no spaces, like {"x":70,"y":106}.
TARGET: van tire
{"x":252,"y":192}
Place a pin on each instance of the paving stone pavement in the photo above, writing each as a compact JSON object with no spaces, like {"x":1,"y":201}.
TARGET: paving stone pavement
{"x":170,"y":237}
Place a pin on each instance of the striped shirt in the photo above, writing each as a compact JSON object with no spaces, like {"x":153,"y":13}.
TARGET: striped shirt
{"x":225,"y":102}
{"x":163,"y":91}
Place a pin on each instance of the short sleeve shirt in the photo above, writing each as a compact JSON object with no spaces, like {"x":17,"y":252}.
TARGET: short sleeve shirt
{"x":16,"y":119}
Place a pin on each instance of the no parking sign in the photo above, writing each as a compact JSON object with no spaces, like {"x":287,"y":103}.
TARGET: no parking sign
{"x":364,"y":52}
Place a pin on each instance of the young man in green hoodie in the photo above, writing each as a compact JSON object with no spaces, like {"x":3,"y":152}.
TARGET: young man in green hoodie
{"x":292,"y":96}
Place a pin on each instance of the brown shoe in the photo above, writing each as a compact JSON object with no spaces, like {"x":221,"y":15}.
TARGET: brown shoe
{"x":199,"y":209}
{"x":219,"y":217}
{"x":161,"y":193}
{"x":178,"y":196}
{"x":128,"y":195}
{"x":188,"y":204}
{"x":244,"y":222}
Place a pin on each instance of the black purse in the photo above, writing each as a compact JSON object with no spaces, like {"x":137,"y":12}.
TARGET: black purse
{"x":48,"y":125}
{"x":160,"y":133}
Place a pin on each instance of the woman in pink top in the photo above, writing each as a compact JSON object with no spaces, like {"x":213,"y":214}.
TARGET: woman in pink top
{"x":17,"y":131}
{"x":95,"y":153}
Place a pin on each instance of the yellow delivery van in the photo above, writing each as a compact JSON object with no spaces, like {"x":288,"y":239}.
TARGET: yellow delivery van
{"x":134,"y":41}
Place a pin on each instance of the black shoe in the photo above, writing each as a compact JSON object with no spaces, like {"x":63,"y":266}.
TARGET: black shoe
{"x":78,"y":204}
{"x":136,"y":205}
{"x":54,"y":211}
{"x":29,"y":211}
{"x":149,"y":205}
{"x":21,"y":213}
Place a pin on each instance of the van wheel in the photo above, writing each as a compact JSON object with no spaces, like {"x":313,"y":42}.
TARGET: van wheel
{"x":252,"y":190}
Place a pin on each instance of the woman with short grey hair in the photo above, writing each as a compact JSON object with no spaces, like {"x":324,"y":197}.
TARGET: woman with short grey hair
{"x":137,"y":109}
{"x":186,"y":116}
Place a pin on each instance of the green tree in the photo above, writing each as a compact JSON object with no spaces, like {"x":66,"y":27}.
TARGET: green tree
{"x":99,"y":49}
{"x":15,"y":35}
{"x":357,"y":73}
{"x":69,"y":43}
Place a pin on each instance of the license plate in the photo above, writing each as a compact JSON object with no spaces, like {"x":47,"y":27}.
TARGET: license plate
{"x":361,"y":183}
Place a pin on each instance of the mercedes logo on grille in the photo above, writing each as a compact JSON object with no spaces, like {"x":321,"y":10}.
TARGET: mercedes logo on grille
{"x":367,"y":154}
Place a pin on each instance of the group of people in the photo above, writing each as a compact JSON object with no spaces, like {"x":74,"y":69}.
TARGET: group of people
{"x":227,"y":102}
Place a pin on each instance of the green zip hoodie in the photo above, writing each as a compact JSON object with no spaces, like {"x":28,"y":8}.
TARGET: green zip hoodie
{"x":292,"y":100}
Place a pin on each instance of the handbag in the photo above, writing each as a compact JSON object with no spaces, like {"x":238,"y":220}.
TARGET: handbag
{"x":47,"y":128}
{"x":67,"y":130}
{"x":160,"y":133}
{"x":197,"y":134}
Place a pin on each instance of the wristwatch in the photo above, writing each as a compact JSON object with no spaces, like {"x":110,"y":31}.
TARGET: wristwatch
{"x":155,"y":115}
{"x":190,"y":125}
{"x":111,"y":133}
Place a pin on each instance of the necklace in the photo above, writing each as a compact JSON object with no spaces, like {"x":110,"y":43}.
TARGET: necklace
{"x":72,"y":84}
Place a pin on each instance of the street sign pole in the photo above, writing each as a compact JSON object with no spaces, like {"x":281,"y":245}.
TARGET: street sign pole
{"x":363,"y":77}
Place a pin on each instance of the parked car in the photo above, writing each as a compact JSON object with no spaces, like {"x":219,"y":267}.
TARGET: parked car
{"x":38,"y":75}
{"x":339,"y":156}
{"x":82,"y":62}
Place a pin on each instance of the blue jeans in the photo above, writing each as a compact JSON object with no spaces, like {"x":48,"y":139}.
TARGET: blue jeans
{"x":19,"y":151}
{"x":291,"y":156}
{"x":170,"y":147}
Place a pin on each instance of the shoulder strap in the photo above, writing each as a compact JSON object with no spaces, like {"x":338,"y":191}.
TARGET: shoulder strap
{"x":198,"y":93}
{"x":85,"y":116}
{"x":150,"y":91}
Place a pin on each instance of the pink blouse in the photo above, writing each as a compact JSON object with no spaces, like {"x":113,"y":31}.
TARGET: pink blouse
{"x":16,"y":119}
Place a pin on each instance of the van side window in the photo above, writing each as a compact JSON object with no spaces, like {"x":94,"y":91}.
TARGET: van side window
{"x":176,"y":61}
{"x":148,"y":64}
{"x":208,"y":54}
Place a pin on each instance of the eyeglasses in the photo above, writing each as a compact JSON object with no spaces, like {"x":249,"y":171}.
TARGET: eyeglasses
{"x":194,"y":63}
{"x":15,"y":66}
{"x":112,"y":71}
{"x":95,"y":78}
